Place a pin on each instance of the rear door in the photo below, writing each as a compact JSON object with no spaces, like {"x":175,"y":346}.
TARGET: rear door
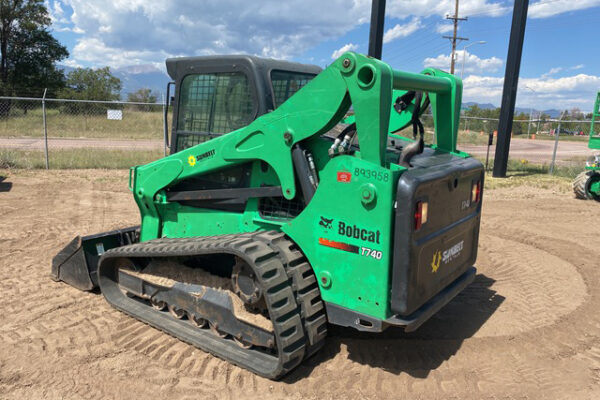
{"x":436,"y":229}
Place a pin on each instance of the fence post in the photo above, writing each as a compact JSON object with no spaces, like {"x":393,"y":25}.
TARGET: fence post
{"x":45,"y":128}
{"x":165,"y":134}
{"x":529,"y":123}
{"x":556,"y":136}
{"x":490,"y":142}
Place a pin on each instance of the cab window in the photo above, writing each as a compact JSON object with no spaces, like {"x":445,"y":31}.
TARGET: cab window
{"x":286,"y":83}
{"x":215,"y":103}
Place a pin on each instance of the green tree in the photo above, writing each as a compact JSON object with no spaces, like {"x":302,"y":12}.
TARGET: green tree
{"x":576,"y":113}
{"x":34,"y":53}
{"x":520,"y":123}
{"x":92,"y":84}
{"x":143,"y":95}
{"x":28,"y":52}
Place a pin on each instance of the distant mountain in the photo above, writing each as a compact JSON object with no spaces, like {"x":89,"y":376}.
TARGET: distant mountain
{"x":484,"y":106}
{"x":553,"y":113}
{"x":142,"y":76}
{"x":136,"y":77}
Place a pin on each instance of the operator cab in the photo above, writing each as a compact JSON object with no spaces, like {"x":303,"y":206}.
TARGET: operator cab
{"x":215,"y":95}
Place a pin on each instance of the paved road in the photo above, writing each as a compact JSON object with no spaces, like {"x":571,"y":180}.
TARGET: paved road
{"x":535,"y":150}
{"x":532,"y":150}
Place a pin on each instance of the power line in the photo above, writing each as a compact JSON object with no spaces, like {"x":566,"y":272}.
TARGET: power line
{"x":423,"y":43}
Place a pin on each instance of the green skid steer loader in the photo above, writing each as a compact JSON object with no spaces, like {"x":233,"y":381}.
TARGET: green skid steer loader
{"x":290,"y":201}
{"x":587,"y":184}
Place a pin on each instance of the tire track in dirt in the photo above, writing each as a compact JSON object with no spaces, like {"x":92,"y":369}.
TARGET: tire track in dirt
{"x":85,"y":349}
{"x":538,"y":287}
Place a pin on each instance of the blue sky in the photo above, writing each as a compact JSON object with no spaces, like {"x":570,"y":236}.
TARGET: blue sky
{"x":560,"y":66}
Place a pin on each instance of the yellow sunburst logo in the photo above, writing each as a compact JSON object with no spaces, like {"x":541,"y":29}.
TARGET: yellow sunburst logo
{"x":192,"y":161}
{"x":435,"y":263}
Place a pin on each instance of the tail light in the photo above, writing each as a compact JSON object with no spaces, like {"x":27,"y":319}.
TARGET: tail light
{"x":420,"y":214}
{"x":476,"y":192}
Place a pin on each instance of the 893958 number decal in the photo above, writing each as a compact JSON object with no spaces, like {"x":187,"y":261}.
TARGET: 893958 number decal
{"x":373,"y":174}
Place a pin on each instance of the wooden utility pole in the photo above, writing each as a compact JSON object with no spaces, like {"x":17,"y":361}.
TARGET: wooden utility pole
{"x":454,"y":38}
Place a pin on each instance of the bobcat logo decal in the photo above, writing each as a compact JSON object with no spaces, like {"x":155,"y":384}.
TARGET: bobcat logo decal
{"x":326,"y":223}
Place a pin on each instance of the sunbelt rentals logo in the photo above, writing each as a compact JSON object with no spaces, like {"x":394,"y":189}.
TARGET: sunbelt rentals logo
{"x":446,"y":256}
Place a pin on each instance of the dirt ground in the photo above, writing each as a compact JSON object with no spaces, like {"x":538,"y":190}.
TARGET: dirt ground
{"x":527,"y":328}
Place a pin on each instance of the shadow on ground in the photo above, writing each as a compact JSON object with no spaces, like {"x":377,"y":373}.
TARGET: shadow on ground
{"x":416,"y":353}
{"x":4,"y":186}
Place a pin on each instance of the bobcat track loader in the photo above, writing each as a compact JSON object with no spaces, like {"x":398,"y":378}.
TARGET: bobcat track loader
{"x":291,"y":201}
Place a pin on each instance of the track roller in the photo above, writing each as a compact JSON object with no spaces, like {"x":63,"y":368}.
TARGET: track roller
{"x":197,"y":321}
{"x":177,"y":312}
{"x":158,"y":305}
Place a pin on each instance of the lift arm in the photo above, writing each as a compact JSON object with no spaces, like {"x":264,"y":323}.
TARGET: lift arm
{"x":353,"y":79}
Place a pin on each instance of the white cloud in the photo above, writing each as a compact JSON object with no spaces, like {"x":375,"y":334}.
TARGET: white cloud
{"x":480,"y":8}
{"x":565,"y":92}
{"x":275,"y":28}
{"x":56,"y":12}
{"x":482,"y":89}
{"x":472,"y":63}
{"x":347,"y":47}
{"x":576,"y":67}
{"x":150,"y":30}
{"x":444,"y":28}
{"x":545,"y":8}
{"x":70,"y":63}
{"x":552,"y":71}
{"x":567,"y":84}
{"x":423,"y":8}
{"x":400,"y":31}
{"x":94,"y":52}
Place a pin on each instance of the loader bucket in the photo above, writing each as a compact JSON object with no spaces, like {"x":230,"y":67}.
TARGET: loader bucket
{"x":77,"y":263}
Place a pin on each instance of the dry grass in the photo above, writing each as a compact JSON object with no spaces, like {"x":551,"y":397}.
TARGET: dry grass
{"x":523,"y":173}
{"x":77,"y":158}
{"x":134,"y":125}
{"x":541,"y":181}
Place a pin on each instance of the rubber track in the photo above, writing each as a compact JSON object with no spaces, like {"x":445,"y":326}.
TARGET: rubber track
{"x":305,"y":286}
{"x":281,"y":303}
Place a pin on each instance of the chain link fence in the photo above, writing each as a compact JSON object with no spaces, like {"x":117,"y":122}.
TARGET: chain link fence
{"x":535,"y":145}
{"x":63,"y":133}
{"x":549,"y":145}
{"x":88,"y":133}
{"x":23,"y":117}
